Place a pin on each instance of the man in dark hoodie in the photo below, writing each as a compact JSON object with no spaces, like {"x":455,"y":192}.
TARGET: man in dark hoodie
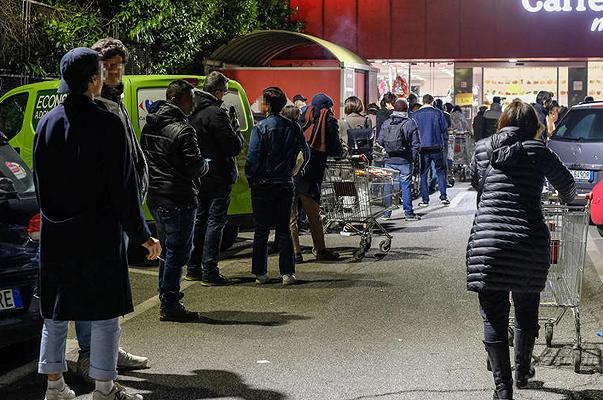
{"x":401,"y":140}
{"x":387,"y":107}
{"x":220,"y":141}
{"x":175,"y":165}
{"x":491,"y":117}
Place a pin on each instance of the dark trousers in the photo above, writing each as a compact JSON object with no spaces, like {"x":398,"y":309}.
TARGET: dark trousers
{"x":495,"y":307}
{"x":175,"y":232}
{"x":440,"y":168}
{"x":272,"y":207}
{"x":212,"y":214}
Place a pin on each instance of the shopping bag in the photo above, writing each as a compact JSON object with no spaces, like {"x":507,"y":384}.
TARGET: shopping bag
{"x":596,"y":205}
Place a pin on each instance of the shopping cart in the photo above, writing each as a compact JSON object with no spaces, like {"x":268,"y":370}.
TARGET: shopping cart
{"x":355,"y":195}
{"x":459,"y":154}
{"x":568,"y":227}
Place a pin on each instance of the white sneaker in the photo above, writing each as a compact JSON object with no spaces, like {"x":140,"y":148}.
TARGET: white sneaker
{"x":129,"y":361}
{"x":55,"y":394}
{"x":118,"y":393}
{"x":262,"y":279}
{"x":289,"y":279}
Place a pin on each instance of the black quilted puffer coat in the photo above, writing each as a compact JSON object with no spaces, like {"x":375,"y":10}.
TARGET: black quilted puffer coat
{"x":509,"y":245}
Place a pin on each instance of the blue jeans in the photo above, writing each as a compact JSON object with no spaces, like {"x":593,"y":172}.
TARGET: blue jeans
{"x":103,"y":352}
{"x":175,"y":232}
{"x":405,"y":182}
{"x":272,"y":208}
{"x":495,"y":307}
{"x":212,"y":215}
{"x":438,"y":159}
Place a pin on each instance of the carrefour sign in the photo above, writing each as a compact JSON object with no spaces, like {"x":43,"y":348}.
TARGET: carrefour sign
{"x":567,"y":6}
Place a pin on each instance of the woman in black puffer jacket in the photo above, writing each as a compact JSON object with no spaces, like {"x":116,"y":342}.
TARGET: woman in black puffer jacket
{"x":509,"y":246}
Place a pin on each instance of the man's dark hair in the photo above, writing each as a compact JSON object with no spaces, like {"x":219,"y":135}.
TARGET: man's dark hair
{"x":215,"y":82}
{"x":110,"y":47}
{"x":448,"y":107}
{"x":543,"y":97}
{"x":353,"y":105}
{"x":276,"y":98}
{"x":412,"y":98}
{"x":415,"y":106}
{"x":427,"y":99}
{"x":401,"y":105}
{"x":388,"y":98}
{"x":496,"y":100}
{"x":521,"y":115}
{"x":177,"y":88}
{"x":457,"y":108}
{"x":589,"y":99}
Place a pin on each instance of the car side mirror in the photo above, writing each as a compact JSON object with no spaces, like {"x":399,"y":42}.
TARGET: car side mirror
{"x":7,"y":189}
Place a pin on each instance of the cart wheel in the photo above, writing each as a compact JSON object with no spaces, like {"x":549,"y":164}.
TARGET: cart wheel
{"x":359,"y":254}
{"x":548,"y":334}
{"x":488,"y":365}
{"x":386,"y":245}
{"x":577,"y":359}
{"x":511,"y":335}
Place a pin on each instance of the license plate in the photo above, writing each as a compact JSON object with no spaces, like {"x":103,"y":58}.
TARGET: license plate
{"x":10,"y":299}
{"x":582,"y":175}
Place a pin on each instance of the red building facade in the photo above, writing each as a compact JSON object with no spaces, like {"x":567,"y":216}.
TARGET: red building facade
{"x":458,"y":29}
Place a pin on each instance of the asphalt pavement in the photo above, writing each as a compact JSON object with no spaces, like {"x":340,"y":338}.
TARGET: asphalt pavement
{"x":395,"y":326}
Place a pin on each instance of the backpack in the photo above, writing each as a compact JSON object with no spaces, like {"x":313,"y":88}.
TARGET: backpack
{"x":360,"y":140}
{"x":394,"y":139}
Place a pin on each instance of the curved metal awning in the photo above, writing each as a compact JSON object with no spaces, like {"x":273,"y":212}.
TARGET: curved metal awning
{"x":258,"y":48}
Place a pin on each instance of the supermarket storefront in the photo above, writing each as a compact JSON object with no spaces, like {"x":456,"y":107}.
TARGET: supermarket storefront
{"x":469,"y":51}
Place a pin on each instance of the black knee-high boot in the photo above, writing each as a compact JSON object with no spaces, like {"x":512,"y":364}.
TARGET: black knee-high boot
{"x":498,"y":352}
{"x":524,"y":346}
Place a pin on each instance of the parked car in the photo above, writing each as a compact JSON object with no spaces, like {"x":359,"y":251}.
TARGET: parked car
{"x":22,"y":108}
{"x":578,"y":141}
{"x":20,"y":319}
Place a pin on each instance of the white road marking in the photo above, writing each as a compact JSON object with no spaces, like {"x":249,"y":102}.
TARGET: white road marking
{"x":72,"y":344}
{"x":594,"y":253}
{"x":144,"y":271}
{"x":458,"y":198}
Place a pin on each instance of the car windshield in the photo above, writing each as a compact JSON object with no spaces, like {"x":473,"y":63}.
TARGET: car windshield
{"x":581,"y":125}
{"x":15,"y":169}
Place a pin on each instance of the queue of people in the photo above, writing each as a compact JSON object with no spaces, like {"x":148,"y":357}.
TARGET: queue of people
{"x":85,"y":150}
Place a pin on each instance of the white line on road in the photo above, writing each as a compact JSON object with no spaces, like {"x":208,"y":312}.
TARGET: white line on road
{"x":459,"y":197}
{"x":594,"y":253}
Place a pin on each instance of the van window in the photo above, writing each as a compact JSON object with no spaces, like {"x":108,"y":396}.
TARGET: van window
{"x":581,"y":124}
{"x":232,"y":99}
{"x":12,"y":112}
{"x":46,"y":101}
{"x":146,"y":97}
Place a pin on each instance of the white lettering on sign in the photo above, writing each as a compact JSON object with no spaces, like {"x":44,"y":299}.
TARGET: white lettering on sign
{"x":551,"y":6}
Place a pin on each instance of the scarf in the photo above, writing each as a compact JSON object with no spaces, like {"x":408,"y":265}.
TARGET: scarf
{"x":315,"y":126}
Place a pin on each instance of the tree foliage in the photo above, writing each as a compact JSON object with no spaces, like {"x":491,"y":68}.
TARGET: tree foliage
{"x":164,"y":36}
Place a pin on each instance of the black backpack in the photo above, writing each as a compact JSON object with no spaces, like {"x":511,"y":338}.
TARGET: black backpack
{"x":360,"y":140}
{"x":394,"y":140}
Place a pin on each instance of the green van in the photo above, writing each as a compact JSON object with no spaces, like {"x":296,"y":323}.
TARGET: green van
{"x":22,"y":108}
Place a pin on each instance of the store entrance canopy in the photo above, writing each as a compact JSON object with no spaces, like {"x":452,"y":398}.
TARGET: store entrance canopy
{"x":261,"y":48}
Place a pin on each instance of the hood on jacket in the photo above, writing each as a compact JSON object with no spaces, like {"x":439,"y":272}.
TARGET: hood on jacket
{"x":162,"y":114}
{"x":398,"y":115}
{"x":508,"y":147}
{"x":205,"y":99}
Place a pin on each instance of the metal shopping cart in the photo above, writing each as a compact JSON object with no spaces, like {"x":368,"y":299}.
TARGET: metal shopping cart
{"x":568,"y":226}
{"x":459,"y":153}
{"x":355,"y":195}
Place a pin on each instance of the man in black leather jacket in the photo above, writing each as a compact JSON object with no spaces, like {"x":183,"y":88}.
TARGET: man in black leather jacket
{"x":221,"y":143}
{"x":175,"y":164}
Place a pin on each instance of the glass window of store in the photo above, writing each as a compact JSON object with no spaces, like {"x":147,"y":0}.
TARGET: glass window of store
{"x":595,"y":79}
{"x":433,"y":78}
